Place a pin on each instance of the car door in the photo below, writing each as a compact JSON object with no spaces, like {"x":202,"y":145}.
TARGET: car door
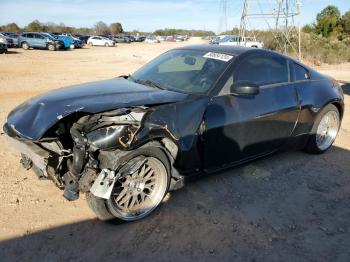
{"x":29,"y":38}
{"x":40,"y":40}
{"x":99,"y":41}
{"x":238,"y":127}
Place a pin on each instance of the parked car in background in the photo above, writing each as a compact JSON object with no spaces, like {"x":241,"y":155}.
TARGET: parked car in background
{"x":131,"y":38}
{"x":68,"y":41}
{"x":170,"y":39}
{"x":3,"y":45}
{"x":121,"y":39}
{"x":214,"y":40}
{"x":179,"y":38}
{"x":9,"y":41}
{"x":100,"y":41}
{"x":110,"y":37}
{"x":83,"y":38}
{"x":161,"y":38}
{"x":151,"y":39}
{"x":13,"y":36}
{"x":236,"y":40}
{"x":140,"y":38}
{"x":78,"y":43}
{"x":39,"y":40}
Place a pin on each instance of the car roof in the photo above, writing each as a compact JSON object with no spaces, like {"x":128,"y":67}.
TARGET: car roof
{"x":233,"y":50}
{"x":230,"y":50}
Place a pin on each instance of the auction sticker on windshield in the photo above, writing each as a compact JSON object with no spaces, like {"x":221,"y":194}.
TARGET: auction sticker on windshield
{"x":218,"y":56}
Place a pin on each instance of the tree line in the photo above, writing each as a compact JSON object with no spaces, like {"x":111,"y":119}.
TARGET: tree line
{"x":100,"y":28}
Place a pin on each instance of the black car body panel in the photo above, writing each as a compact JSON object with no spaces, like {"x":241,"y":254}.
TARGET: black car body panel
{"x":200,"y":132}
{"x":34,"y":117}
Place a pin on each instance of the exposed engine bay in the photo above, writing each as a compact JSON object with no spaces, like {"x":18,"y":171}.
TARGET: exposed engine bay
{"x":85,"y":153}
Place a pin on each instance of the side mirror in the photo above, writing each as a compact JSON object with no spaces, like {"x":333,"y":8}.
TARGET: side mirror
{"x":244,"y":88}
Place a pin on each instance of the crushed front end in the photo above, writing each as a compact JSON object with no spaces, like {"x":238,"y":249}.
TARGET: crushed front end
{"x":68,"y":153}
{"x":84,"y":148}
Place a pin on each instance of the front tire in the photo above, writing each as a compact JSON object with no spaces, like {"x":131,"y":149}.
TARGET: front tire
{"x":51,"y":47}
{"x":324,"y":130}
{"x":137,"y":195}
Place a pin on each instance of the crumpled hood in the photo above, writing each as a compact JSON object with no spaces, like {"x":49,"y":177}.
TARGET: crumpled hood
{"x":34,"y":117}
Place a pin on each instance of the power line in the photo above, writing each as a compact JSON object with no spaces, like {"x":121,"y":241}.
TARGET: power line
{"x":223,"y":17}
{"x":279,"y":16}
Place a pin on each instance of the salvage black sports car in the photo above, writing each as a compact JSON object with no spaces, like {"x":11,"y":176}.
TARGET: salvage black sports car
{"x":198,"y":109}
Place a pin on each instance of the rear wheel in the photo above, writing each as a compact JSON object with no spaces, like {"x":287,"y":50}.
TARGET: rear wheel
{"x":136,"y":195}
{"x":324,"y":131}
{"x":90,"y":44}
{"x":25,"y":46}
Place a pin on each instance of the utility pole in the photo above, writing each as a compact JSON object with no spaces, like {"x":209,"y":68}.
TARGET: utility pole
{"x":243,"y":24}
{"x":279,"y":16}
{"x":223,"y":16}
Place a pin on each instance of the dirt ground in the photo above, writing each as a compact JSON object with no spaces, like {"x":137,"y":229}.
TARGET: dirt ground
{"x":288,"y":207}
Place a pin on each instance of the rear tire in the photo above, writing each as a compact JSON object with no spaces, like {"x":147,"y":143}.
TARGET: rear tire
{"x":90,"y":44}
{"x":25,"y":46}
{"x":110,"y":209}
{"x":324,"y":130}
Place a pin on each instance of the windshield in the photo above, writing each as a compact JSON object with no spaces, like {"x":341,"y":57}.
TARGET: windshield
{"x":187,"y":71}
{"x":49,"y":36}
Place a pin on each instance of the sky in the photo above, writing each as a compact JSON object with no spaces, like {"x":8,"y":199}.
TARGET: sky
{"x":147,"y":15}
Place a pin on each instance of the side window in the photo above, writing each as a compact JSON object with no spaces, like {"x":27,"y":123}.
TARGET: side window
{"x":24,"y":35}
{"x":300,"y":73}
{"x":30,"y":35}
{"x":37,"y":36}
{"x":263,"y":70}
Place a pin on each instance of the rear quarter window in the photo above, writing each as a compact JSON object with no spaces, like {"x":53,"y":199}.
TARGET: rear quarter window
{"x":300,"y":73}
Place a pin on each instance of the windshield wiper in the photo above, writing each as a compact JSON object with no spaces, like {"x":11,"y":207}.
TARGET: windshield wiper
{"x":147,"y":83}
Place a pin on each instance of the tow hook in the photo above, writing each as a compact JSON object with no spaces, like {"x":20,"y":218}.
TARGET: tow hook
{"x":105,"y":181}
{"x":104,"y":184}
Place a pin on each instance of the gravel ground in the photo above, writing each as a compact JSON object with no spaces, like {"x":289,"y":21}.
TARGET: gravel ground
{"x":289,"y":207}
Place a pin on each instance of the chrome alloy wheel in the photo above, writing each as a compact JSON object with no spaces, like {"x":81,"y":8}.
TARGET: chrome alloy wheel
{"x":136,"y":195}
{"x":327,"y":130}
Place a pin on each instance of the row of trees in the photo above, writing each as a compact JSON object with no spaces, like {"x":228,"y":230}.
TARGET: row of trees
{"x":36,"y":26}
{"x":168,"y":31}
{"x":100,"y":28}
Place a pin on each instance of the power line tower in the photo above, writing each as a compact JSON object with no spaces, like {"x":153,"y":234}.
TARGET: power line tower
{"x":223,"y":17}
{"x":279,"y":16}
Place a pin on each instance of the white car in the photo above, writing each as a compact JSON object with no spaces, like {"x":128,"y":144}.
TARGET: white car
{"x":236,"y":40}
{"x":151,"y":39}
{"x":100,"y":40}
